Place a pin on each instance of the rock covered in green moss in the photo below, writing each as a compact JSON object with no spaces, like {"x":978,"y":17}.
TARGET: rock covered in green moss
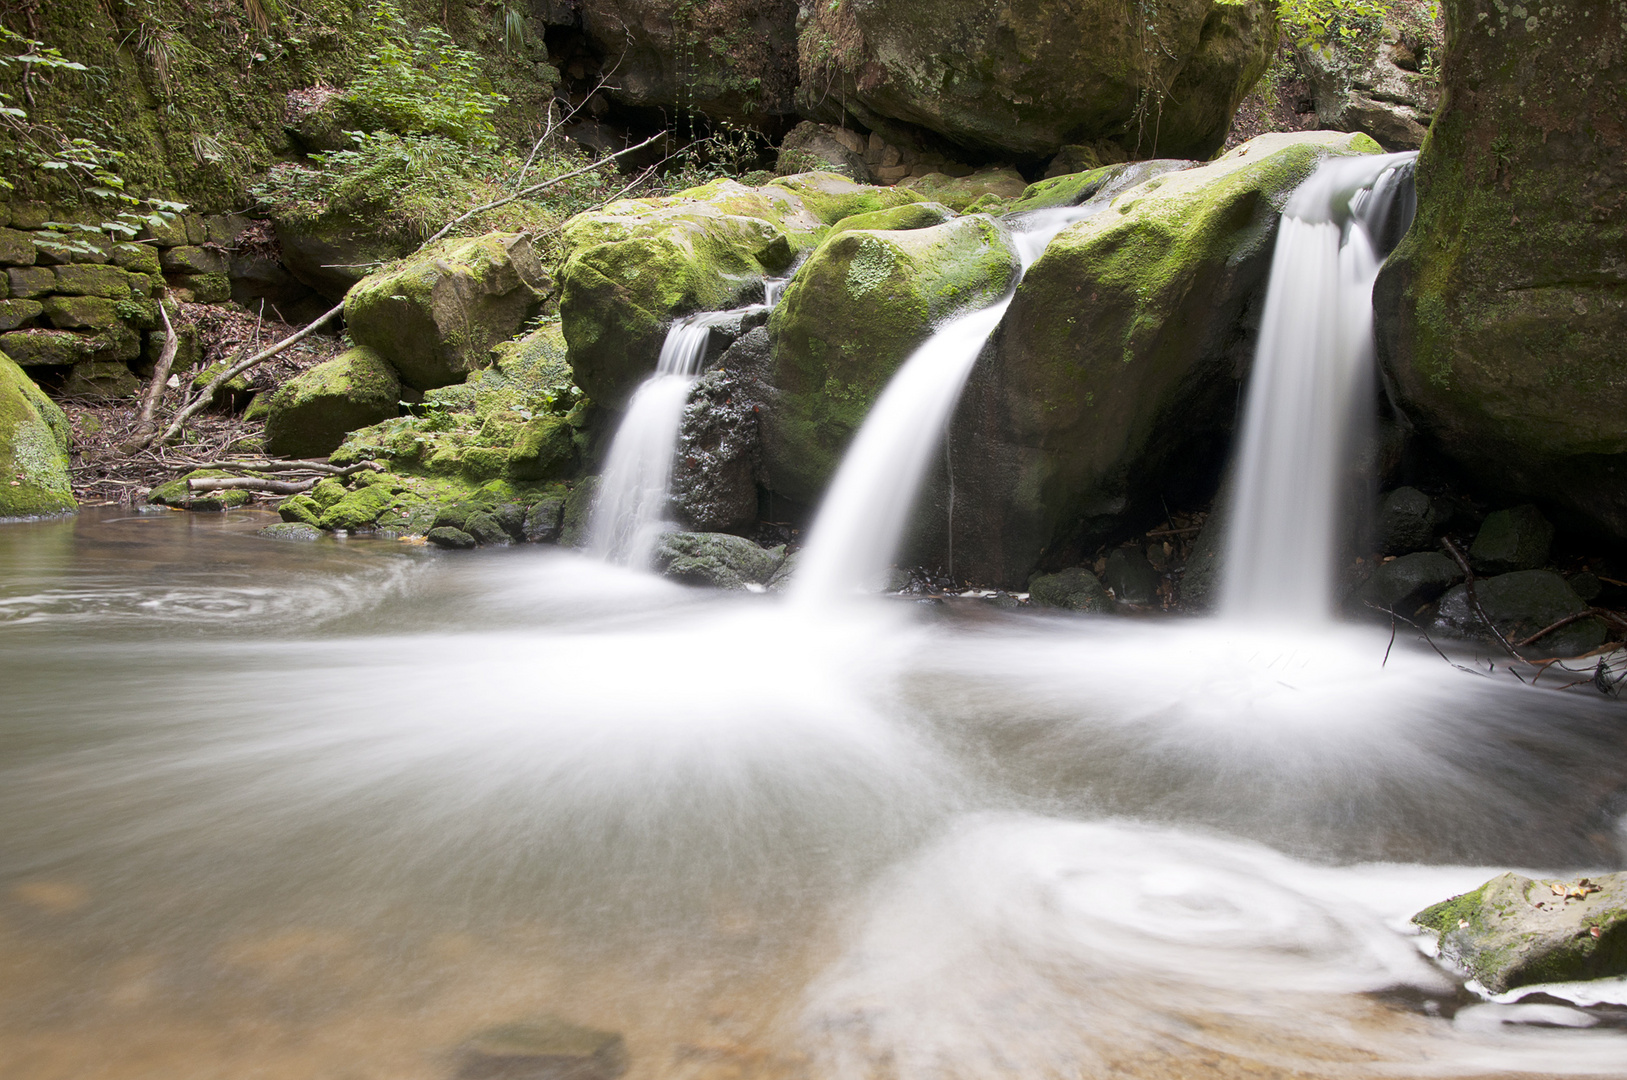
{"x":98,"y":380}
{"x":1502,"y":313}
{"x":178,"y":494}
{"x":310,"y":414}
{"x":862,"y":303}
{"x":720,"y":560}
{"x":291,"y":531}
{"x":1072,"y":589}
{"x":960,"y":192}
{"x":357,"y":509}
{"x":921,"y":215}
{"x":1115,"y":375}
{"x":1519,"y":604}
{"x":34,"y":442}
{"x":435,"y":315}
{"x":1517,"y":931}
{"x":1027,"y":77}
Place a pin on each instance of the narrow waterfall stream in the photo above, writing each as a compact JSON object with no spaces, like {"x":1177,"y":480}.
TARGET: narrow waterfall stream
{"x":867,"y":506}
{"x":1313,"y":371}
{"x":630,"y":511}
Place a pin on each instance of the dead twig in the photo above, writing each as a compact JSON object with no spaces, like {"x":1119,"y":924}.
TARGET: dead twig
{"x":1592,"y":612}
{"x":1474,"y":601}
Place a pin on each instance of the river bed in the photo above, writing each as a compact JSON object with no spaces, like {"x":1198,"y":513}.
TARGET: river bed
{"x":328,"y":810}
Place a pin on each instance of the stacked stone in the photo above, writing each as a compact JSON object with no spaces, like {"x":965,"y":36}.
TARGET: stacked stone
{"x":90,"y":304}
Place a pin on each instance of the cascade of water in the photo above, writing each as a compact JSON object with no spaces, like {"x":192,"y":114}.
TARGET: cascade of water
{"x":866,"y":509}
{"x":1313,"y":362}
{"x":629,"y":512}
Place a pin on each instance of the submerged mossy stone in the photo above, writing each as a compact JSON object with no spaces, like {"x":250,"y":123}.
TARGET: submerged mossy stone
{"x":178,"y":494}
{"x":1406,"y":522}
{"x":1520,"y":604}
{"x":720,"y":560}
{"x":435,"y":315}
{"x":1508,"y":540}
{"x":445,"y":536}
{"x":545,"y":1047}
{"x":310,"y":414}
{"x":290,"y":530}
{"x":860,"y":305}
{"x":1404,"y":583}
{"x":1501,"y":314}
{"x":1027,"y":77}
{"x":1517,"y":931}
{"x":358,"y":509}
{"x":1115,"y":374}
{"x":34,"y":444}
{"x":1073,"y":589}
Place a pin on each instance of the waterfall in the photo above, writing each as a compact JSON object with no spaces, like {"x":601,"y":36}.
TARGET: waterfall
{"x":1313,"y":372}
{"x":862,"y":518}
{"x":630,"y":510}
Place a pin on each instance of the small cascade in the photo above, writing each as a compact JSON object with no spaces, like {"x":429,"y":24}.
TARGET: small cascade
{"x":865,"y":511}
{"x":630,"y":510}
{"x":1313,"y":374}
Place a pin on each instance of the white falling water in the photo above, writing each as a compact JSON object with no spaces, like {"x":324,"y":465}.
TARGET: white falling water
{"x":630,"y":510}
{"x":864,"y":513}
{"x":1313,"y":362}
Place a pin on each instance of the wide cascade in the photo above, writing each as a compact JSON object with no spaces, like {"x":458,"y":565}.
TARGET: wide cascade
{"x":630,"y":511}
{"x":862,"y":518}
{"x":1312,"y":378}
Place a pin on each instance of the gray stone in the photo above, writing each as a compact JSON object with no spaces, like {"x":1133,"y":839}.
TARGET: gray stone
{"x":1407,"y":581}
{"x":15,"y":313}
{"x":290,"y":530}
{"x":545,"y":520}
{"x":98,"y":380}
{"x":719,"y":460}
{"x":1586,"y":585}
{"x":716,"y":559}
{"x":192,"y":260}
{"x":1406,"y":522}
{"x":1073,"y":589}
{"x":812,"y":147}
{"x":37,"y":348}
{"x":1516,"y":931}
{"x":31,"y":281}
{"x":89,"y":279}
{"x":16,"y":248}
{"x":1520,"y":604}
{"x":447,"y":537}
{"x":1516,"y":539}
{"x":1200,"y":578}
{"x":1131,"y":578}
{"x":573,"y":528}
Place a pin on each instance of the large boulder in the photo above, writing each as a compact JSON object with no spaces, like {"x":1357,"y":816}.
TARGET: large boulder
{"x":716,"y":559}
{"x":1515,"y":931}
{"x":311,"y":414}
{"x":637,"y":264}
{"x":436,"y":315}
{"x":1115,"y":375}
{"x":34,"y":440}
{"x":862,"y":303}
{"x":1502,"y":313}
{"x":1519,"y":605}
{"x":718,"y":463}
{"x":732,"y":60}
{"x":1374,"y":85}
{"x":1026,"y":77}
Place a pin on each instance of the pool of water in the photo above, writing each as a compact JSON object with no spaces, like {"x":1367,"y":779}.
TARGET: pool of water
{"x":328,"y":810}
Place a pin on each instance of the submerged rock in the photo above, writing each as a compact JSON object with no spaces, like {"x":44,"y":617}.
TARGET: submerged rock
{"x":720,"y":560}
{"x":1515,"y":931}
{"x":544,"y":1049}
{"x":1508,"y":540}
{"x":445,"y":536}
{"x":310,"y":414}
{"x":1520,"y":604}
{"x":1404,"y":583}
{"x":290,"y":530}
{"x":1073,"y":589}
{"x":34,"y":442}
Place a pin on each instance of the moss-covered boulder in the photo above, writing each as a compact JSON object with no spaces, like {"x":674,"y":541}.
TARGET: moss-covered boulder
{"x":310,"y":414}
{"x":435,"y":316}
{"x":1115,"y":375}
{"x":1517,"y":931}
{"x":864,"y":301}
{"x":1071,"y":589}
{"x":960,"y":192}
{"x":178,"y":493}
{"x":1026,"y":77}
{"x":637,"y":264}
{"x":34,"y":442}
{"x":720,"y":560}
{"x":1502,"y":313}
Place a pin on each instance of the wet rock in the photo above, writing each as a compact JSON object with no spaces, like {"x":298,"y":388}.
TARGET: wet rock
{"x":1586,"y":585}
{"x":1520,"y":604}
{"x":358,"y":509}
{"x":487,"y":529}
{"x":178,"y":494}
{"x":35,"y":437}
{"x":1516,"y":539}
{"x":719,"y":457}
{"x":310,"y":414}
{"x":445,"y":536}
{"x":290,"y":530}
{"x":921,"y":215}
{"x":720,"y":560}
{"x":1073,"y":589}
{"x":1406,"y":522}
{"x":1131,"y":578}
{"x":782,"y":577}
{"x":1199,"y":588}
{"x":435,"y":316}
{"x":544,"y":521}
{"x":545,"y":1049}
{"x":1404,"y":583}
{"x":578,"y":512}
{"x":1516,"y":931}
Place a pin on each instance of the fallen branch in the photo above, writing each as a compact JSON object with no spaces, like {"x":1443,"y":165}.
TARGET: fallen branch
{"x":155,"y":388}
{"x":1394,"y":615}
{"x":1474,"y":601}
{"x":291,"y":465}
{"x":1592,"y":612}
{"x":253,"y":483}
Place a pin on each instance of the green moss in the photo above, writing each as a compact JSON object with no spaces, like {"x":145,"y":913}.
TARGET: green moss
{"x":1447,"y":914}
{"x":301,"y":509}
{"x":310,"y":415}
{"x":177,"y":493}
{"x":34,"y":436}
{"x":1070,"y":190}
{"x":357,"y":509}
{"x":832,"y":197}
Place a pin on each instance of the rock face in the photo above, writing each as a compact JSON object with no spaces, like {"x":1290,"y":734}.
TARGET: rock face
{"x":435,"y":316}
{"x":1516,"y":931}
{"x":1406,"y":521}
{"x":1502,"y":313}
{"x":311,"y":414}
{"x":719,"y":460}
{"x":731,"y":60}
{"x":34,"y":440}
{"x":812,"y":147}
{"x":637,"y":264}
{"x":1378,"y":90}
{"x":1026,"y":77}
{"x":862,"y":303}
{"x":1520,"y":604}
{"x":1115,"y":373}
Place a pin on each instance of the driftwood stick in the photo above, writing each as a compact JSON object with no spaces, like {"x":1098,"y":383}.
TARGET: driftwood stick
{"x":155,"y":388}
{"x":291,"y":466}
{"x":1474,"y":601}
{"x":253,"y":483}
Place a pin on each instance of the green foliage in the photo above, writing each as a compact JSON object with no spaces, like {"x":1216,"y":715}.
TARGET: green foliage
{"x":418,"y":81}
{"x":1316,"y":22}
